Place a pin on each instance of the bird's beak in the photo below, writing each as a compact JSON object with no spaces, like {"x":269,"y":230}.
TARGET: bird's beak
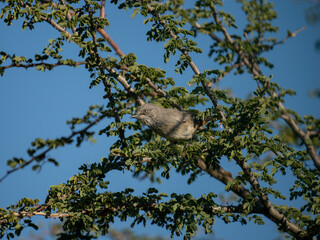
{"x":134,"y":116}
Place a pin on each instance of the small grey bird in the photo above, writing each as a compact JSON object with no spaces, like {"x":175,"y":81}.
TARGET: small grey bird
{"x":170,"y":123}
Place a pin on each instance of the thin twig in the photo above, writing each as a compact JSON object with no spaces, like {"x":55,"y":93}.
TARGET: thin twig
{"x":256,"y":71}
{"x":50,"y":65}
{"x":218,"y":79}
{"x":290,"y":35}
{"x":120,"y":78}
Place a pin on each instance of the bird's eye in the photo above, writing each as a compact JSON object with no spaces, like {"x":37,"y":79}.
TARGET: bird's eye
{"x":145,"y":111}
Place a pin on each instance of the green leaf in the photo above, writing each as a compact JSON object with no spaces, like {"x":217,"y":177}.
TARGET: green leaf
{"x":35,"y":167}
{"x":135,"y":12}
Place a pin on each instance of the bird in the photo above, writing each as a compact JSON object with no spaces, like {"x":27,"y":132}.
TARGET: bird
{"x":171,"y":123}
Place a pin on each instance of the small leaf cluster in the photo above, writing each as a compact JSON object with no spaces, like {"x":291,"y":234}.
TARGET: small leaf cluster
{"x":11,"y":224}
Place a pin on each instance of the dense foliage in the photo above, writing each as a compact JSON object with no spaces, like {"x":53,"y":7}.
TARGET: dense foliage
{"x":241,"y":132}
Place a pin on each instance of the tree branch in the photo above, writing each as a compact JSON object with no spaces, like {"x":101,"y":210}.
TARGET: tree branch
{"x":147,"y":207}
{"x":112,"y":43}
{"x":223,"y":176}
{"x":120,"y":78}
{"x":272,"y":212}
{"x":105,"y":35}
{"x":305,"y":136}
{"x":56,"y":25}
{"x":43,"y":154}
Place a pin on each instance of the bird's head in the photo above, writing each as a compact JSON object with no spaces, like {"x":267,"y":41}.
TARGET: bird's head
{"x":147,"y":113}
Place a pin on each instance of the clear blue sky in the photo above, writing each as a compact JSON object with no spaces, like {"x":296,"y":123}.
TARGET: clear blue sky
{"x":36,"y":104}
